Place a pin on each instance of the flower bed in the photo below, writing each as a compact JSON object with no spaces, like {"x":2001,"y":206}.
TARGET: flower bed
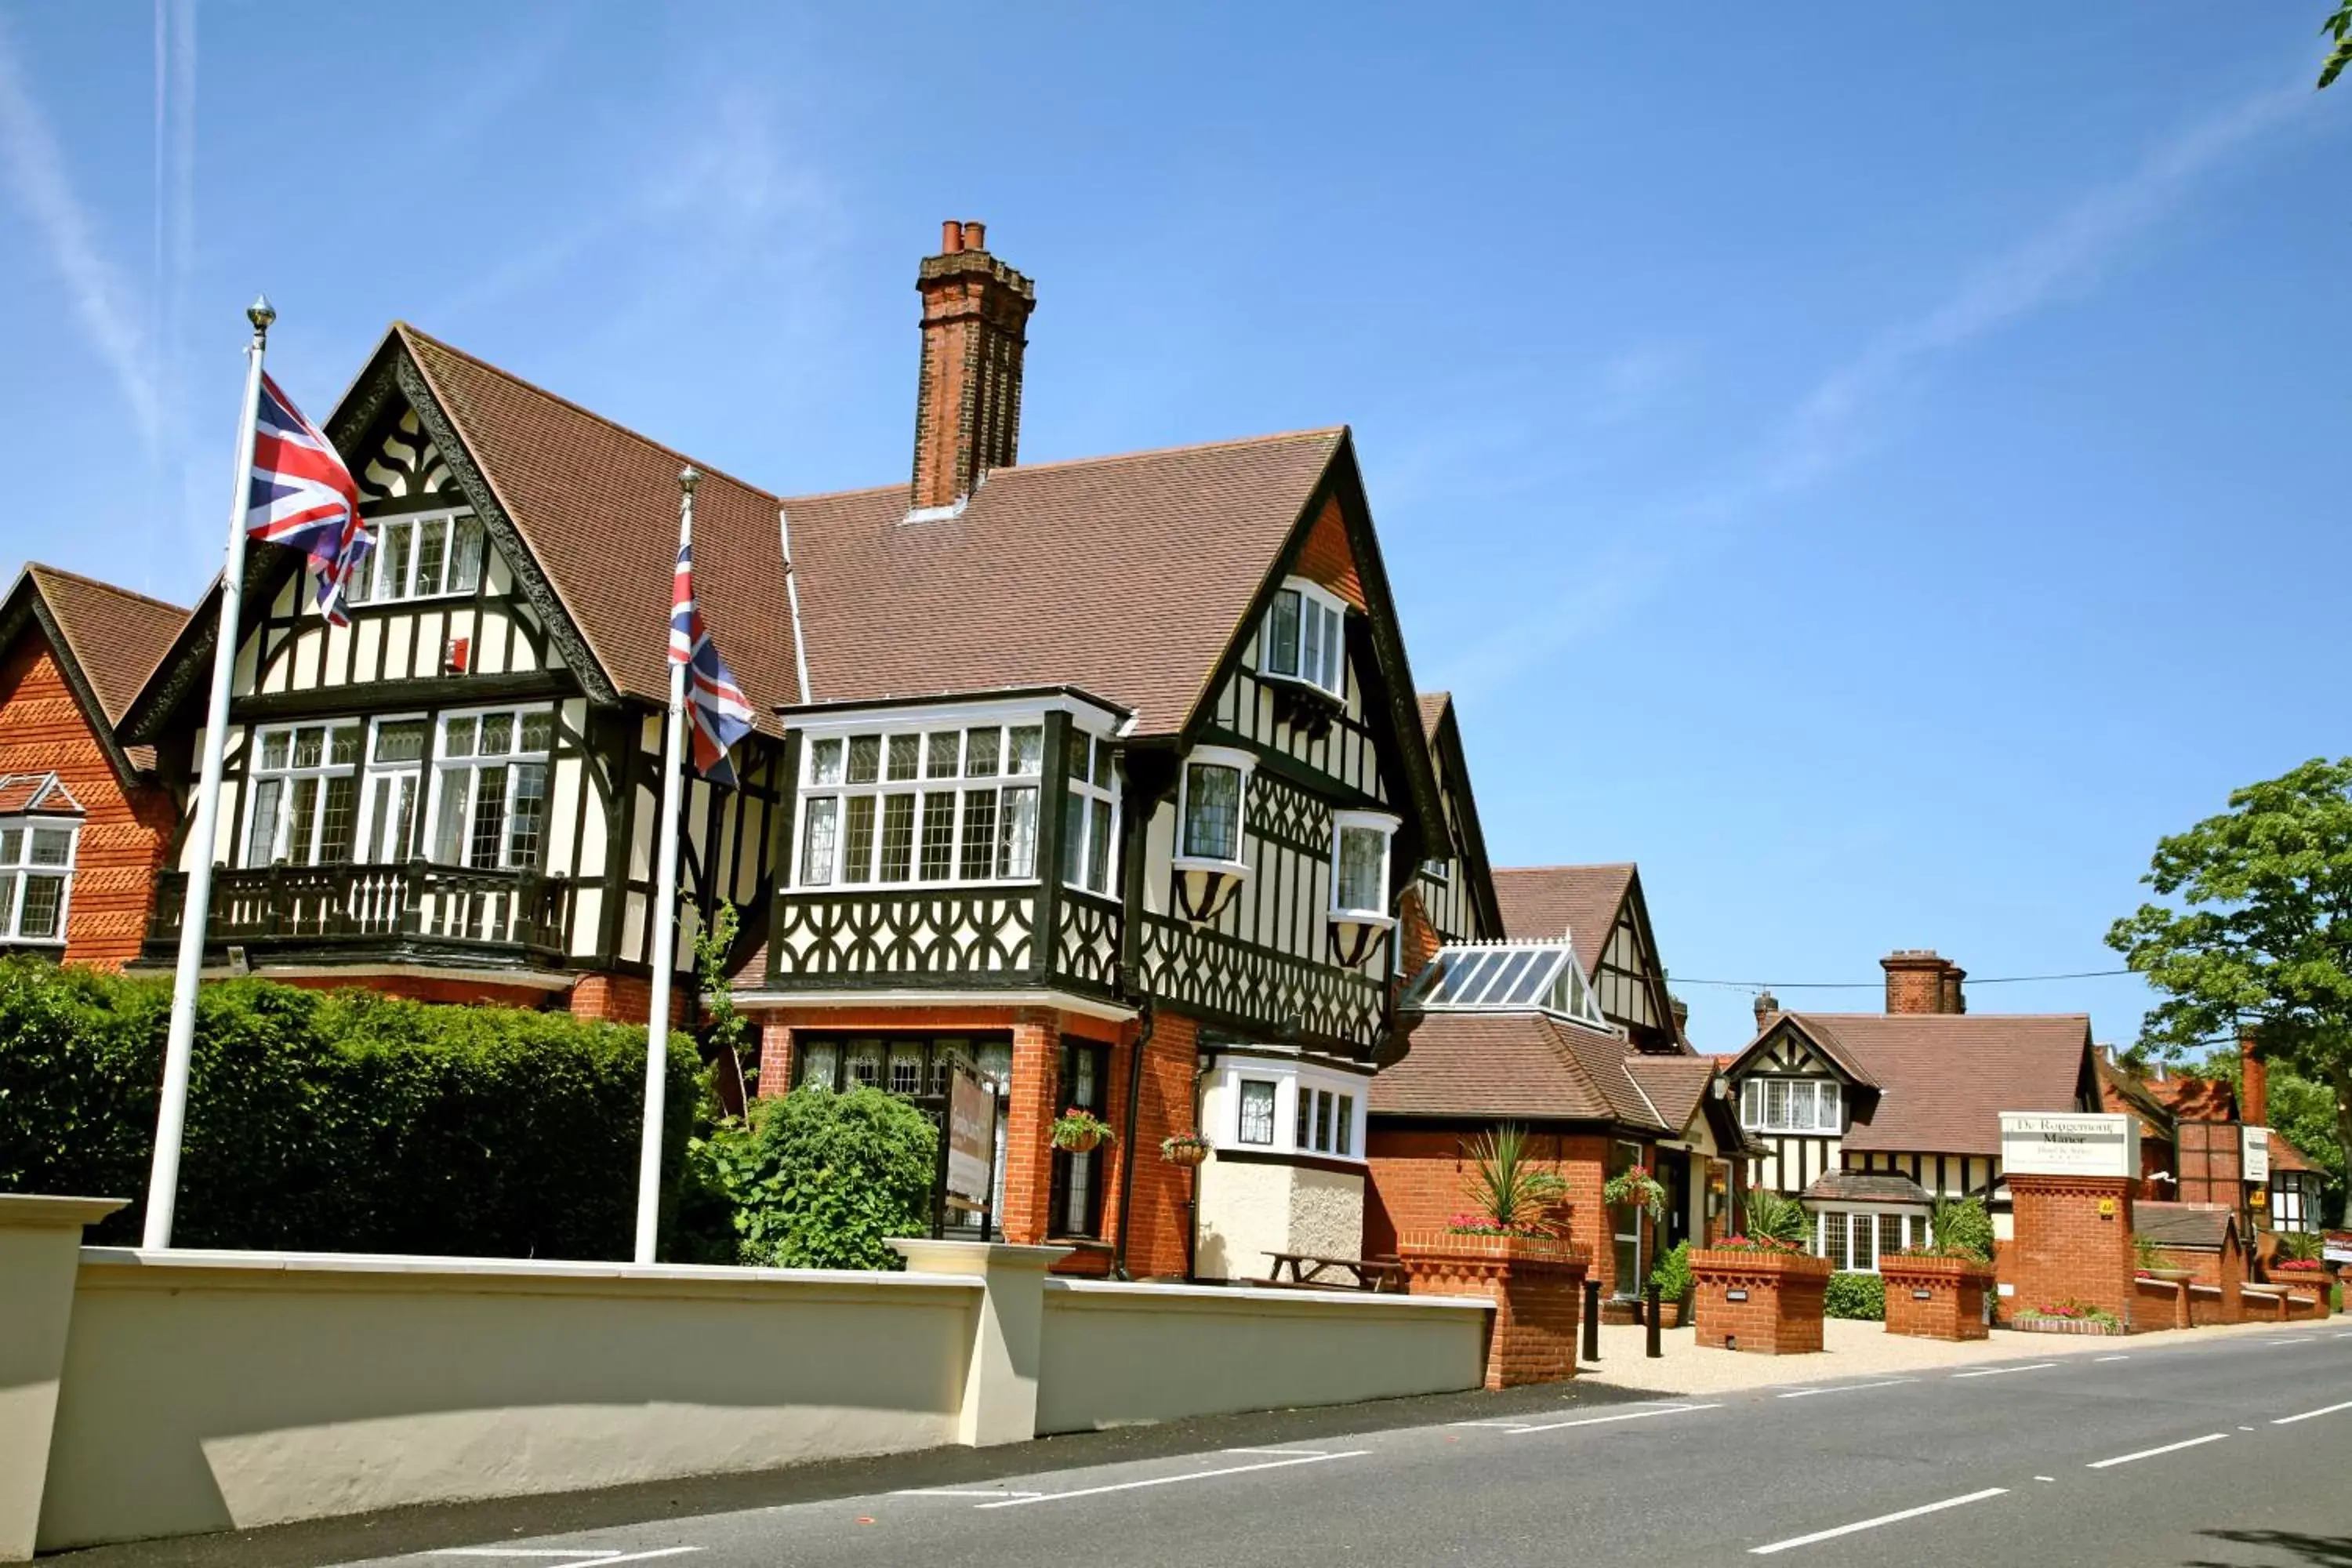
{"x":1759,"y":1295}
{"x":1935,"y":1294}
{"x":2066,"y":1318}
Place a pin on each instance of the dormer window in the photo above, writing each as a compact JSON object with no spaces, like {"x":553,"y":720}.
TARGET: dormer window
{"x":1306,"y":638}
{"x":421,"y":557}
{"x":1507,"y":976}
{"x":1212,"y":807}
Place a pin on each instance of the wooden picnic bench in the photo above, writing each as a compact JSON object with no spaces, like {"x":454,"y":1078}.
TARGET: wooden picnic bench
{"x":1312,"y":1271}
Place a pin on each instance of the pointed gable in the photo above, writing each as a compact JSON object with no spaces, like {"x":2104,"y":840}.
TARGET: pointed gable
{"x":1541,"y":902}
{"x":107,"y":641}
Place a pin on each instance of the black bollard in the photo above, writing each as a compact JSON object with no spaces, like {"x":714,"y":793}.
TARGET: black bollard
{"x":1650,"y":1315}
{"x":1592,"y":1320}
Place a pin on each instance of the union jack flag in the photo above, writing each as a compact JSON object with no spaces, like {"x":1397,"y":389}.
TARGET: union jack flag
{"x":719,"y":712}
{"x":304,"y":499}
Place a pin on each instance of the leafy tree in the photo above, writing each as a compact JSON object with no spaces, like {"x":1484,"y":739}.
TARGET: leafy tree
{"x":822,"y":1180}
{"x":2338,"y":26}
{"x":712,"y":945}
{"x":2259,"y":932}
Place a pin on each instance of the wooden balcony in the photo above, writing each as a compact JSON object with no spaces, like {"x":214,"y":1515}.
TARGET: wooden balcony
{"x":370,"y":913}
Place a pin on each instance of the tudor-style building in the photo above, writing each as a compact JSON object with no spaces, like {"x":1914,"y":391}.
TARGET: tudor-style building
{"x":83,"y":820}
{"x":1870,"y":1118}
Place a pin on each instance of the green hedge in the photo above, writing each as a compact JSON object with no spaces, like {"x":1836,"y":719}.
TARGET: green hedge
{"x":1860,"y":1295}
{"x":336,"y":1121}
{"x":816,"y":1180}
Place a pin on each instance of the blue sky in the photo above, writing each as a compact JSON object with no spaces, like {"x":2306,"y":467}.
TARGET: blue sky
{"x":1878,"y":467}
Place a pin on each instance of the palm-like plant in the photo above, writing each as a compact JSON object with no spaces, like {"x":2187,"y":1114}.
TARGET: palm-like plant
{"x":1773,"y":1218}
{"x":1506,"y":1188}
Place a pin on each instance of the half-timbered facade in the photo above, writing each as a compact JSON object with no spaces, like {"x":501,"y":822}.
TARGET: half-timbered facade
{"x":1453,"y":890}
{"x":83,"y":821}
{"x":1602,"y":908}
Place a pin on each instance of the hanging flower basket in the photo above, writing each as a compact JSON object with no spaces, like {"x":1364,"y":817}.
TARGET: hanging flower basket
{"x":1637,"y":1188}
{"x":1185,"y":1149}
{"x":1081,"y":1132}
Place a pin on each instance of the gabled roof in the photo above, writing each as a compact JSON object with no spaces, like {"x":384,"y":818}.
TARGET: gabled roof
{"x":1441,"y":727}
{"x":1525,"y":1065}
{"x":109,"y":641}
{"x":1865,"y":1187}
{"x":1944,"y":1079}
{"x":1675,"y":1085}
{"x":1542,"y":901}
{"x":2285,"y":1156}
{"x":2200,"y":1227}
{"x":46,"y":794}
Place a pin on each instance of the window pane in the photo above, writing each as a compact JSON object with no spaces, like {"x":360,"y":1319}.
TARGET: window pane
{"x":12,"y":846}
{"x":1344,"y":1132}
{"x":1017,"y":833}
{"x":979,"y":835}
{"x":1302,"y":1121}
{"x":819,"y":1064}
{"x":904,"y":749}
{"x":1212,"y":810}
{"x":538,"y":732}
{"x":1310,"y":643}
{"x":51,"y":847}
{"x":1776,"y":1103}
{"x":343,"y":745}
{"x":466,"y":554}
{"x":939,"y":836}
{"x":821,"y":821}
{"x":857,"y":840}
{"x":979,"y":749}
{"x":1073,"y":836}
{"x":401,"y":741}
{"x":1282,"y":634}
{"x":824,"y":762}
{"x":1334,"y":642}
{"x":1078,"y":755}
{"x":457,"y":737}
{"x":363,"y":586}
{"x":399,"y":546}
{"x":261,"y":837}
{"x":865,"y":1063}
{"x":497,"y":734}
{"x":1890,"y":1234}
{"x":1257,"y":1111}
{"x":907,"y":1069}
{"x":449,"y":830}
{"x":432,"y":541}
{"x":335,"y":821}
{"x":1323,"y":1098}
{"x":529,"y":815}
{"x":1025,"y":751}
{"x":489,"y":818}
{"x":1829,"y":1110}
{"x":1833,"y":1237}
{"x":8,"y":880}
{"x":940,"y":757}
{"x":1098,"y":848}
{"x":44,"y":897}
{"x":274,"y":748}
{"x":1362,"y":851}
{"x":898,"y":837}
{"x":865,"y":758}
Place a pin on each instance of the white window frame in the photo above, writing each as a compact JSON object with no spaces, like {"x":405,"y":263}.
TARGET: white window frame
{"x":440,"y":765}
{"x":419,"y":775}
{"x":287,"y":775}
{"x":372,"y":588}
{"x":1386,"y":826}
{"x":17,"y":872}
{"x":1099,"y":788}
{"x":1338,"y":1121}
{"x":1329,"y":614}
{"x":1917,"y":1233}
{"x":1755,"y":1105}
{"x":923,"y":786}
{"x":1245,"y":763}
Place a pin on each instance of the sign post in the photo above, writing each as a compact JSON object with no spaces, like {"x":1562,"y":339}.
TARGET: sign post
{"x":969,"y":1129}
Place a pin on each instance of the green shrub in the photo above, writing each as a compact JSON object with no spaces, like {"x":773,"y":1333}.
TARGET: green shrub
{"x":1768,"y":1215}
{"x":1672,"y":1274}
{"x":1963,"y":1223}
{"x":346,"y":1121}
{"x":1862,"y":1296}
{"x":821,"y":1180}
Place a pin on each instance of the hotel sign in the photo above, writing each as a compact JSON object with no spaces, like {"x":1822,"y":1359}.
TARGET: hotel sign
{"x":2036,"y":1144}
{"x":2255,"y":1161}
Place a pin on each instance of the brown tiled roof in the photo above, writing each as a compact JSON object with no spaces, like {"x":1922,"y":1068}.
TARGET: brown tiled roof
{"x":2285,"y":1156}
{"x":1944,"y":1079}
{"x":1433,"y":705}
{"x":2199,"y":1226}
{"x":1676,"y":1085}
{"x":2195,"y":1099}
{"x":1528,"y":1065}
{"x":2120,"y":1092}
{"x":1127,"y":577}
{"x":117,"y":634}
{"x":1539,"y":903}
{"x":598,"y":506}
{"x":1865,"y":1186}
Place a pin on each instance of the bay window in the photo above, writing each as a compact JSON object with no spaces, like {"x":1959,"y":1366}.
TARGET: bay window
{"x":489,"y":787}
{"x":930,"y":807}
{"x":1360,"y":864}
{"x":1790,"y":1105}
{"x":37,"y":864}
{"x":1214,"y":805}
{"x":421,"y":556}
{"x":303,"y":796}
{"x":1089,"y":813}
{"x":1278,"y":1105}
{"x":1305,"y":638}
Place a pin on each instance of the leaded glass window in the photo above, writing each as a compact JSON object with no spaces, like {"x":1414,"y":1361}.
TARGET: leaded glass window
{"x":921,"y":808}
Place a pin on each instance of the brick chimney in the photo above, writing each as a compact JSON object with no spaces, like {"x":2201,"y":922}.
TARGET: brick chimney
{"x":1918,"y":980}
{"x":2253,"y":1083}
{"x":1768,"y":1007}
{"x":968,"y":398}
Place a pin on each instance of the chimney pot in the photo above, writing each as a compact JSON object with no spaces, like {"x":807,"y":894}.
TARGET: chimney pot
{"x":951,"y":236}
{"x":975,"y":235}
{"x":1768,"y":1007}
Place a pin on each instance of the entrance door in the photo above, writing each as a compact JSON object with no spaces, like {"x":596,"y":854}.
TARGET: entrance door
{"x":1675,"y":1173}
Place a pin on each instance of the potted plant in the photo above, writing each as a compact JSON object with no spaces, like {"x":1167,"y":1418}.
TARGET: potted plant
{"x":1185,"y":1149}
{"x":1079,"y":1132}
{"x":2152,"y":1262}
{"x":1673,"y":1279}
{"x":1635,"y":1185}
{"x":1511,"y":1196}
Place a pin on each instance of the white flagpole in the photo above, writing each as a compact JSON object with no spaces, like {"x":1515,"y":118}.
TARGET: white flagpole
{"x":664,"y":923}
{"x":195,"y":911}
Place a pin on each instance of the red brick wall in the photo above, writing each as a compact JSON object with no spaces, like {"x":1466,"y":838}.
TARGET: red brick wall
{"x":1417,"y":1178}
{"x":1325,"y":558}
{"x":2064,"y":1249}
{"x":1416,"y":938}
{"x":1166,"y":1107}
{"x":627,"y":999}
{"x":1780,"y":1313}
{"x":125,"y":835}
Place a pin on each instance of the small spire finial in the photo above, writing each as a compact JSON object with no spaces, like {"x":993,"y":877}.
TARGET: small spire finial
{"x":261,"y":313}
{"x":688,"y":477}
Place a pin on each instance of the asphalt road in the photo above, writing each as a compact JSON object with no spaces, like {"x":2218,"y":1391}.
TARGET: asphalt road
{"x":2235,"y":1451}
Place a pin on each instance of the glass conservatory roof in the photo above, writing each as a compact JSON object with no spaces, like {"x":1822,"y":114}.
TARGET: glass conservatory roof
{"x":1509,"y":976}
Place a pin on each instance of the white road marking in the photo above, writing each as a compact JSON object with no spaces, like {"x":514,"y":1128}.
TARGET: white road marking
{"x":1506,"y":1425}
{"x":2152,"y":1453}
{"x":2323,"y":1410}
{"x":2304,"y":1340}
{"x":1285,"y":1453}
{"x":578,"y":1556}
{"x":962,"y":1491}
{"x":1844,"y":1388}
{"x":2100,"y":1358}
{"x":1997,"y":1371}
{"x":1598,"y":1420}
{"x":1862,"y":1524}
{"x":2050,"y":1479}
{"x":1171,"y":1480}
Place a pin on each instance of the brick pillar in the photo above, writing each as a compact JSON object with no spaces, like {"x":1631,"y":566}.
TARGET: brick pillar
{"x":1029,"y":1111}
{"x":1537,"y":1285}
{"x":775,"y":1058}
{"x":2072,"y":1243}
{"x":1157,"y":1219}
